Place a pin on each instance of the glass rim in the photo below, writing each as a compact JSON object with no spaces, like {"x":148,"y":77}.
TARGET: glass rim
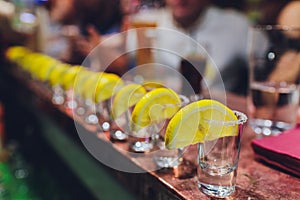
{"x":276,"y":27}
{"x":242,"y":118}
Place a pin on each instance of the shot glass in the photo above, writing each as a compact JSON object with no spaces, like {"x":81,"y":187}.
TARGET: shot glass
{"x":118,"y":128}
{"x":142,"y":140}
{"x":163,"y":157}
{"x":274,"y":78}
{"x":218,"y":160}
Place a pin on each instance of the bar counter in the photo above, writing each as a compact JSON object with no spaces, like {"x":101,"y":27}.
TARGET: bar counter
{"x":255,"y":180}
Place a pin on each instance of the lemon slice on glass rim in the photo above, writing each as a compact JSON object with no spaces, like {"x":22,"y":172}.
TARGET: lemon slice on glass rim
{"x":81,"y":76}
{"x":56,"y":74}
{"x":43,"y":66}
{"x":155,"y":106}
{"x":151,"y":85}
{"x":68,"y":79}
{"x":107,"y":85}
{"x":88,"y":85}
{"x":201,"y":121}
{"x":16,"y":52}
{"x":126,"y":97}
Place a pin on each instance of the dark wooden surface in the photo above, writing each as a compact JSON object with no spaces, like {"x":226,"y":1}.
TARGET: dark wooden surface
{"x":255,"y":180}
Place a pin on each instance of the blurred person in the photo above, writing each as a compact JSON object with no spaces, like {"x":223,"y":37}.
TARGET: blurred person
{"x":236,"y":4}
{"x":284,"y":13}
{"x":82,"y":25}
{"x":99,"y":20}
{"x":58,"y":26}
{"x":105,"y":16}
{"x":269,"y":11}
{"x":222,"y":31}
{"x":290,"y":14}
{"x":62,"y":11}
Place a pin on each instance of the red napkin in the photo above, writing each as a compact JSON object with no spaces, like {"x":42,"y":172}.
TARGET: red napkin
{"x":282,"y":151}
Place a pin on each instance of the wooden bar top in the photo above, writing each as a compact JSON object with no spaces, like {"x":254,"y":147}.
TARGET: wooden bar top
{"x":255,"y":180}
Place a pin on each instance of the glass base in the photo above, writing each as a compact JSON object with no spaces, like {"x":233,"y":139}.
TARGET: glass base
{"x":106,"y":126}
{"x":91,"y":119}
{"x":165,"y":158}
{"x":167,"y":162}
{"x":118,"y":135}
{"x":216,"y":190}
{"x":144,"y":146}
{"x":58,"y":99}
{"x":71,"y":104}
{"x":264,"y":127}
{"x":80,"y":111}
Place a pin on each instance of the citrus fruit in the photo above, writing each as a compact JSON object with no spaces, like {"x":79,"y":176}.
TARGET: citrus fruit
{"x":198,"y":122}
{"x":82,"y":75}
{"x":126,"y":97}
{"x":15,"y":52}
{"x":42,"y":66}
{"x":150,"y":85}
{"x":154,"y":107}
{"x":67,"y":81}
{"x":107,"y":85}
{"x":44,"y":72}
{"x":38,"y":61}
{"x":56,"y":73}
{"x":27,"y":60}
{"x":87,"y":90}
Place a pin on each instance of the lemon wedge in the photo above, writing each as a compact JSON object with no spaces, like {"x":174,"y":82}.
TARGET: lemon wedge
{"x":43,"y":66}
{"x":44,"y":72}
{"x":200,"y":121}
{"x":126,"y":97}
{"x":107,"y":85}
{"x":150,"y":85}
{"x":14,"y":53}
{"x":81,"y":77}
{"x":89,"y":86}
{"x":56,"y":74}
{"x":27,"y":61}
{"x":155,"y":106}
{"x":32,"y":62}
{"x":67,"y":81}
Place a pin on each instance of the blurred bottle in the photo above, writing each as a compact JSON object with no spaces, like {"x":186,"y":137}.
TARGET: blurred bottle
{"x":144,"y":19}
{"x":24,"y":19}
{"x":42,"y":27}
{"x":192,"y":69}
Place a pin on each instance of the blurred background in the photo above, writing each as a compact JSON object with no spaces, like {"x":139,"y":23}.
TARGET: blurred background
{"x":41,"y":157}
